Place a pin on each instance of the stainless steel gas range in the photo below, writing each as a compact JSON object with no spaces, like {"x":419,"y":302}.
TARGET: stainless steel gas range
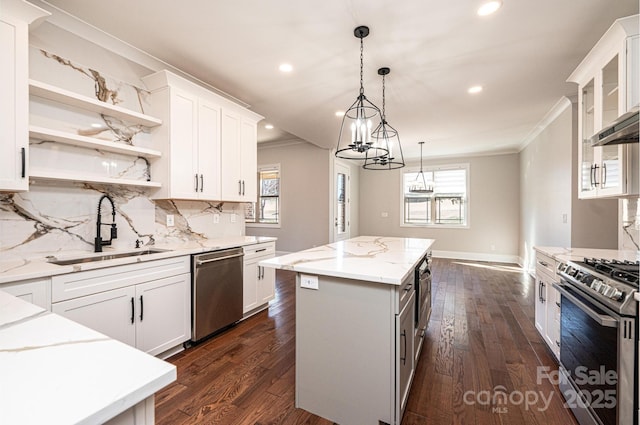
{"x":599,"y":340}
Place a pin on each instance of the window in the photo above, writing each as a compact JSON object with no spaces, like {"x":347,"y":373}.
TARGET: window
{"x":446,"y":202}
{"x":267,"y":208}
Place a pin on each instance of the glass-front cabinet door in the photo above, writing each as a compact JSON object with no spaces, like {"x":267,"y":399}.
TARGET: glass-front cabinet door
{"x":587,"y":152}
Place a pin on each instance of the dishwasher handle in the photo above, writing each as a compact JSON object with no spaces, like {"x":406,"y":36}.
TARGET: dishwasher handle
{"x":226,"y":257}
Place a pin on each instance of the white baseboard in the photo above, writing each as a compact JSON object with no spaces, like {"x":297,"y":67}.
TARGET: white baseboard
{"x":477,"y":256}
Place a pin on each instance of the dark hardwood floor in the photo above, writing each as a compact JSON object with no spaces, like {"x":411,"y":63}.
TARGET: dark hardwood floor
{"x":481,"y":346}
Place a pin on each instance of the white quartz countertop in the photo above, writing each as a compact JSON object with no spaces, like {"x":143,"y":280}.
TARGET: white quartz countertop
{"x":55,"y":371}
{"x":17,"y":267}
{"x":578,"y":254}
{"x":377,"y":259}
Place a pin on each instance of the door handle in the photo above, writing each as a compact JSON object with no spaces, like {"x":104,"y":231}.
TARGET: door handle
{"x":133,"y":307}
{"x":604,"y":174}
{"x":239,"y":187}
{"x":595,"y":175}
{"x":201,"y":182}
{"x":196,"y":182}
{"x":242,"y":187}
{"x":23,"y":153}
{"x":141,"y":308}
{"x":404,"y":358}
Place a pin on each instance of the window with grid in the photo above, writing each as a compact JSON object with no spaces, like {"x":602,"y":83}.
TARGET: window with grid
{"x":445,"y":203}
{"x":267,"y":208}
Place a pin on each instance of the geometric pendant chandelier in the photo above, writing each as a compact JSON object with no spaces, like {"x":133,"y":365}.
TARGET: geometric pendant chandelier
{"x":386,"y":138}
{"x":355,"y":140}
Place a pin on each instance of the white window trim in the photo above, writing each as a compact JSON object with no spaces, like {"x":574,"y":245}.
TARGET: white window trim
{"x":278,"y":225}
{"x":437,"y":168}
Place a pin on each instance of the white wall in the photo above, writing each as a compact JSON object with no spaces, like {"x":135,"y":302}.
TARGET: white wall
{"x":493,"y":215}
{"x":548,"y":192}
{"x":305,"y":194}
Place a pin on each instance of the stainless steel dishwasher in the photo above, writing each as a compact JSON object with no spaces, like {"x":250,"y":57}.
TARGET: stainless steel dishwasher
{"x":216,"y":291}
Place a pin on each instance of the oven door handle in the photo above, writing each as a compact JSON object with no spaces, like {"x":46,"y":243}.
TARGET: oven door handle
{"x":602,"y":319}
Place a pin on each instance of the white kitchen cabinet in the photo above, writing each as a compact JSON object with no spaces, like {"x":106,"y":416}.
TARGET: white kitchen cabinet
{"x":190,"y":140}
{"x":34,"y":291}
{"x":258,"y":282}
{"x":146,"y":305}
{"x":608,"y":87}
{"x":239,"y":157}
{"x":207,"y":142}
{"x":14,"y":85}
{"x":547,"y":306}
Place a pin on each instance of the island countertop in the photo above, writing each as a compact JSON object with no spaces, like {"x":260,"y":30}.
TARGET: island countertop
{"x":372,"y":258}
{"x":55,"y":371}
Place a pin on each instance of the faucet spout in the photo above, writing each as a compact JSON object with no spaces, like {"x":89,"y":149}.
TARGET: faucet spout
{"x":99,"y":243}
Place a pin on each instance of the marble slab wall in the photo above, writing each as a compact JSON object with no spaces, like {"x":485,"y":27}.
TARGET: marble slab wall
{"x":629,"y":237}
{"x":55,"y":217}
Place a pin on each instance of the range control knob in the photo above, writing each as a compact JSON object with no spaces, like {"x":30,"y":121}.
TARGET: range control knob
{"x":596,"y":284}
{"x":608,"y":291}
{"x":617,"y":295}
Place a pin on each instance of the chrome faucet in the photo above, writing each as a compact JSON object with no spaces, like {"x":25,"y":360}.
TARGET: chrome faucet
{"x":99,"y":243}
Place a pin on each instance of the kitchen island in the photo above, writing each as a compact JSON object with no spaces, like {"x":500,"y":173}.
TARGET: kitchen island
{"x":357,"y":332}
{"x":55,"y":371}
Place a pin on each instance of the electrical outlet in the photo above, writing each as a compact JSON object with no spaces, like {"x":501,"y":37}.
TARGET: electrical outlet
{"x":216,"y":218}
{"x":564,"y":218}
{"x":493,"y":247}
{"x":384,"y":214}
{"x":308,"y":281}
{"x":234,"y":217}
{"x":170,"y":220}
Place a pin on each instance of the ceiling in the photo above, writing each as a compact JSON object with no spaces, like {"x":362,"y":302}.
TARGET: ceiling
{"x":521,"y":55}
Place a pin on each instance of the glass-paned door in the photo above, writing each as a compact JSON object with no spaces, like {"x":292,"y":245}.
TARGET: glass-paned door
{"x":341,"y":202}
{"x":587,"y":153}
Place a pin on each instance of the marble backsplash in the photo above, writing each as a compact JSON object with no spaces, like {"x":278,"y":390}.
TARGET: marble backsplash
{"x":57,"y":218}
{"x":629,"y":237}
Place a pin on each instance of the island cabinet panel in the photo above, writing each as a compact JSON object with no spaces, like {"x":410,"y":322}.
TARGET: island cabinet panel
{"x":354,"y":349}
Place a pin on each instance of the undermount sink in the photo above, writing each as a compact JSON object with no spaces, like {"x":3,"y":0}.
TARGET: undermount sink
{"x":91,"y":259}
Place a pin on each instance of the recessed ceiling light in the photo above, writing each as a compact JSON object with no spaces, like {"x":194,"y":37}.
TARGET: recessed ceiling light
{"x":268,"y":126}
{"x":285,"y":67}
{"x":474,"y":89}
{"x":339,"y":113}
{"x":489,"y":7}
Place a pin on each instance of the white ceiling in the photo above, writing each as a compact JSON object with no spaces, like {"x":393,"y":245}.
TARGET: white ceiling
{"x":522,"y":56}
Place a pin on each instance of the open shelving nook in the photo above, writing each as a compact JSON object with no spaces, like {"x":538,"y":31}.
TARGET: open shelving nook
{"x":69,"y":98}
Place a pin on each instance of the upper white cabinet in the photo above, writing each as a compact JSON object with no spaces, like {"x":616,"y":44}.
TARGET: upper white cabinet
{"x":14,"y":85}
{"x":608,"y":87}
{"x":239,"y":157}
{"x":207,"y":142}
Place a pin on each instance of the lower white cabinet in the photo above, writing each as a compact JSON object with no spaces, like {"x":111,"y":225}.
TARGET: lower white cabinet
{"x":405,"y":366}
{"x":149,"y":311}
{"x":547,"y":306}
{"x":259,"y":282}
{"x":34,"y":291}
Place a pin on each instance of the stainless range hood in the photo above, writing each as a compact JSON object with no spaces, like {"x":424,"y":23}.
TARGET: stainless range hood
{"x":622,"y":130}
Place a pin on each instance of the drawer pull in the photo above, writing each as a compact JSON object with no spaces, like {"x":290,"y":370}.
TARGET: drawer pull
{"x":261,"y":249}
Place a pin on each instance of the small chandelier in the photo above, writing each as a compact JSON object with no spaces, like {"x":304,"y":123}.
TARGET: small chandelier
{"x":386,"y":137}
{"x":420,"y":185}
{"x":355,"y":141}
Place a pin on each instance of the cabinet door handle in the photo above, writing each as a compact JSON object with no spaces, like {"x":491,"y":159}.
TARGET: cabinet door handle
{"x":141,"y":308}
{"x":408,"y":287}
{"x":201,"y":182}
{"x":591,"y":177}
{"x":558,"y":304}
{"x":595,"y":175}
{"x":133,"y":308}
{"x":404,"y":358}
{"x":196,"y":182}
{"x":604,"y":174}
{"x":544,"y":300}
{"x":23,"y":154}
{"x":242,"y":187}
{"x":239,"y":187}
{"x":558,"y":343}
